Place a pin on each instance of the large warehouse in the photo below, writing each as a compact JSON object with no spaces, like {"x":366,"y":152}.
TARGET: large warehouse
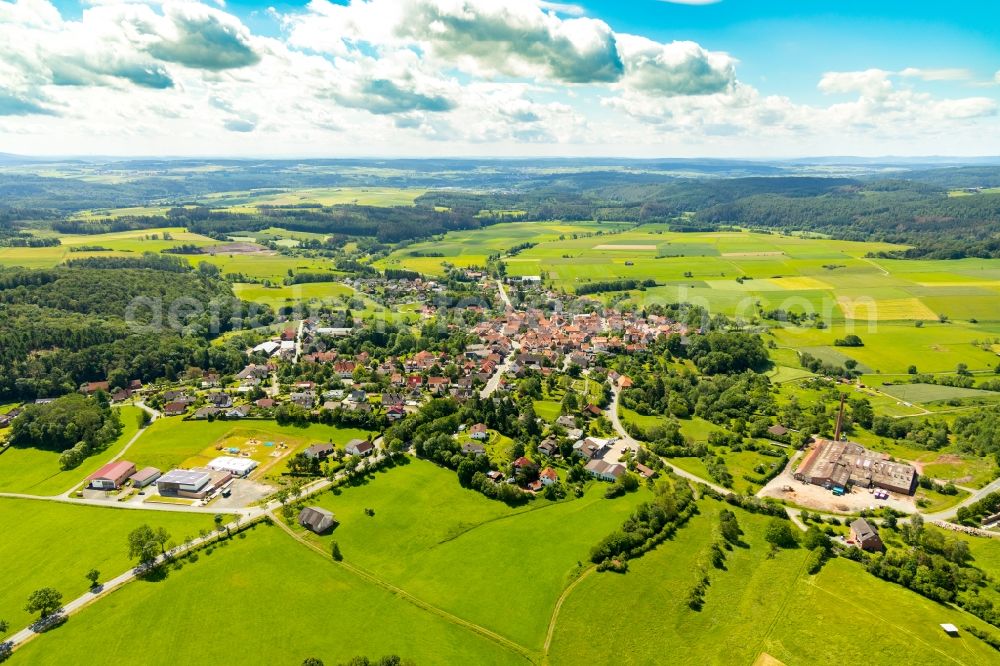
{"x":191,"y":483}
{"x":235,"y":466}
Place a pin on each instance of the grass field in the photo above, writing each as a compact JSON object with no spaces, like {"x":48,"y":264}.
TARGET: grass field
{"x":920,"y":393}
{"x":474,"y":557}
{"x":891,"y":348}
{"x":172,"y":442}
{"x":36,"y":472}
{"x":288,"y":294}
{"x":235,"y":603}
{"x":76,"y":539}
{"x":757,"y":605}
{"x":963,"y":470}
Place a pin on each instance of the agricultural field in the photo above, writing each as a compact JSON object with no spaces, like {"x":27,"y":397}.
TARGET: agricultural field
{"x":924,"y":393}
{"x":471,"y":248}
{"x":173,"y":442}
{"x":466,"y":554}
{"x":76,"y":539}
{"x":279,"y":296}
{"x":260,"y":586}
{"x":36,"y":472}
{"x":891,"y":348}
{"x":122,"y":243}
{"x":755,"y":605}
{"x":327,"y":196}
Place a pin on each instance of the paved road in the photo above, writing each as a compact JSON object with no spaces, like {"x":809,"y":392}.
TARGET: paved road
{"x":503,"y":295}
{"x":992,"y":487}
{"x":118,"y":581}
{"x":494,"y":381}
{"x":246,"y":517}
{"x":612,"y":412}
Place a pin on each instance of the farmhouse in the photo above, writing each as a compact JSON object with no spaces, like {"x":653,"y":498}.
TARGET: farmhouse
{"x":234,"y":466}
{"x":604,"y":470}
{"x":111,"y":476}
{"x":317,"y":519}
{"x":865,"y":535}
{"x":359,"y":447}
{"x":839,"y":465}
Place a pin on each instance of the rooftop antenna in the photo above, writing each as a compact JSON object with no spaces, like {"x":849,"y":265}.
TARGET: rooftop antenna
{"x":840,"y":419}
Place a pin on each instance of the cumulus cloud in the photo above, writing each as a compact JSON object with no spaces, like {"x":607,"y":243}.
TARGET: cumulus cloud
{"x":201,"y":37}
{"x":677,"y":68}
{"x":516,"y":38}
{"x":170,"y":74}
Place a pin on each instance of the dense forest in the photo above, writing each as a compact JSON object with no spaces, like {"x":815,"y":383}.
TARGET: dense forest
{"x":96,"y":318}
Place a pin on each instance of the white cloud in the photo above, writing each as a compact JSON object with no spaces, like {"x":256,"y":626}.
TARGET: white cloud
{"x":398,"y":76}
{"x":677,"y":68}
{"x":941,"y":74}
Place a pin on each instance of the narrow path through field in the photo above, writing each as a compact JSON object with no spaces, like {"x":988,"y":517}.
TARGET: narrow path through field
{"x":528,"y":654}
{"x":781,"y":610}
{"x":872,"y":262}
{"x":555,"y":611}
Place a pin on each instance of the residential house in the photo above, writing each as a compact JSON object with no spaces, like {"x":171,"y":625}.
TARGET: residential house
{"x":174,"y":408}
{"x":479,"y":431}
{"x":320,"y":451}
{"x":600,"y":469}
{"x":865,"y":535}
{"x":644,"y":471}
{"x":549,"y":447}
{"x":359,"y":447}
{"x":306,"y":399}
{"x":549,"y":477}
{"x":474,"y":448}
{"x":220,"y":400}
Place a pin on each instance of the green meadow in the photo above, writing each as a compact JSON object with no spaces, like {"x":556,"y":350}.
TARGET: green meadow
{"x":265,"y":598}
{"x":288,"y":294}
{"x":53,"y":544}
{"x":36,"y":472}
{"x":471,"y":248}
{"x":891,"y":348}
{"x":755,"y":605}
{"x":500,"y":567}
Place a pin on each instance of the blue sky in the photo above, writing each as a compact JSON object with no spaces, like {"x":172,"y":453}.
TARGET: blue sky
{"x":488,"y":77}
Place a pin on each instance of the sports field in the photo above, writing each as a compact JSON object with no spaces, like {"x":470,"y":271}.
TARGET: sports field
{"x":76,"y":539}
{"x":173,"y":442}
